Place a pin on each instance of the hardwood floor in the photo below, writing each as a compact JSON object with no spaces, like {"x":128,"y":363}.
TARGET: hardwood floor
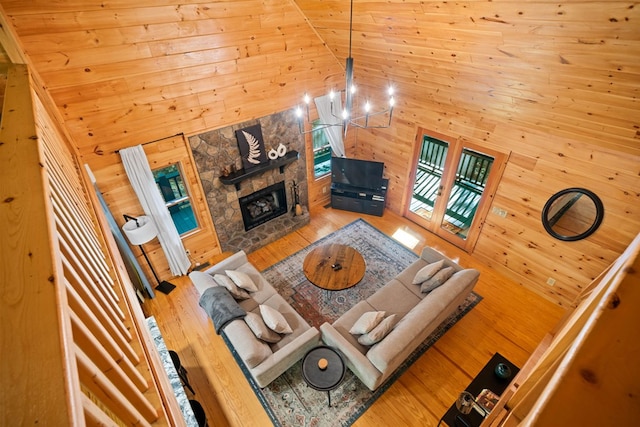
{"x":510,"y":320}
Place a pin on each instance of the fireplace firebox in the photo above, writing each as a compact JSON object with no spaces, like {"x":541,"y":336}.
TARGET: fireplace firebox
{"x":263,"y":205}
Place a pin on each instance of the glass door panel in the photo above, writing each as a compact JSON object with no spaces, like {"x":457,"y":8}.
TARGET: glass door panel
{"x":452,"y":185}
{"x":428,"y":181}
{"x":465,"y":195}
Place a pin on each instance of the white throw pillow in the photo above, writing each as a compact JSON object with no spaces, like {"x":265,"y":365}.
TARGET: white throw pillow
{"x":231,"y":287}
{"x":259,"y":329}
{"x":437,"y":280}
{"x":274,"y":320}
{"x":427,"y":272}
{"x":379,"y":332}
{"x":367,"y":322}
{"x":243,"y":280}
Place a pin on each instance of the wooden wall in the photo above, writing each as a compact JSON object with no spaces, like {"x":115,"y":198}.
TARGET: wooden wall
{"x":555,"y":84}
{"x":119,"y":195}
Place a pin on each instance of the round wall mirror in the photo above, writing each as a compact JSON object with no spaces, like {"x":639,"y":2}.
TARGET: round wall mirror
{"x":572,"y":214}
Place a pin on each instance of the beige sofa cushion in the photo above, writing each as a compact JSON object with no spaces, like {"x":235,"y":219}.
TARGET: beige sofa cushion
{"x":250,"y":349}
{"x":394,"y":298}
{"x":202,"y":281}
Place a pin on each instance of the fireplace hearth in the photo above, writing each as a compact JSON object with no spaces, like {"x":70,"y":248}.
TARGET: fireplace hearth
{"x":263,"y":205}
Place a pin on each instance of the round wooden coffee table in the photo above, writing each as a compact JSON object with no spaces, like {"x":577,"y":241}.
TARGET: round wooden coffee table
{"x":334,"y":267}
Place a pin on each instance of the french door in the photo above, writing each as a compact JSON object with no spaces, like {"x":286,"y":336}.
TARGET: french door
{"x":452,"y":184}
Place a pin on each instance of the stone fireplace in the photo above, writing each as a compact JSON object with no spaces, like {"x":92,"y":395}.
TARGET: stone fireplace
{"x":263,"y":205}
{"x":217,"y":150}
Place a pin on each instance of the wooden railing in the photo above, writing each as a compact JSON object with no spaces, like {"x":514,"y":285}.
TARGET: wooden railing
{"x":75,"y":350}
{"x":584,"y":372}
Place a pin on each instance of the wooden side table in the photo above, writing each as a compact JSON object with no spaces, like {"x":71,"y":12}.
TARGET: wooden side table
{"x":326,"y":379}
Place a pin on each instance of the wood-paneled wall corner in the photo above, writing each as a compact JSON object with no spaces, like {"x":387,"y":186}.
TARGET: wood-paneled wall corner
{"x":113,"y":183}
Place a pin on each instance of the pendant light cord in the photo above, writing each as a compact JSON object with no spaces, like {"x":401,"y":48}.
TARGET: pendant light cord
{"x":350,"y":26}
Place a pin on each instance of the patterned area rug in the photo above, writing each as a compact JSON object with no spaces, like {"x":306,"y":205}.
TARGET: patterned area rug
{"x":288,"y":400}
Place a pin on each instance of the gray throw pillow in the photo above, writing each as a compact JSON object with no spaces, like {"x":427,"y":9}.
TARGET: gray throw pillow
{"x":259,"y":329}
{"x":379,"y":332}
{"x":233,"y":289}
{"x":437,"y":280}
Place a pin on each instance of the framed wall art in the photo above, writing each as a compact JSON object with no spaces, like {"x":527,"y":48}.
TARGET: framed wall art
{"x":251,"y":145}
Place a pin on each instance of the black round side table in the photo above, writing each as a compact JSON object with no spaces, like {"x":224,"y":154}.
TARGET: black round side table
{"x":326,"y":379}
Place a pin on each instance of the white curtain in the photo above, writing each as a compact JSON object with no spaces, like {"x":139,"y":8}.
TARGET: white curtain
{"x":334,"y":133}
{"x":141,"y":178}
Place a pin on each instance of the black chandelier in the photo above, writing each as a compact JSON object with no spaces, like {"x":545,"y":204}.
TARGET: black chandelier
{"x":345,"y":117}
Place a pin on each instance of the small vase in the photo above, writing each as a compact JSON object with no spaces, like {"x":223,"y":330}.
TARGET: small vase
{"x":282,"y":150}
{"x":502,"y":371}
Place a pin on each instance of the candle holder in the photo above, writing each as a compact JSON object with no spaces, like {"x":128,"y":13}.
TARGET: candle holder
{"x":322,"y":364}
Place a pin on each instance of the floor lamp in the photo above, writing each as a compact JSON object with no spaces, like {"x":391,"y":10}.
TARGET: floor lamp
{"x":141,"y":230}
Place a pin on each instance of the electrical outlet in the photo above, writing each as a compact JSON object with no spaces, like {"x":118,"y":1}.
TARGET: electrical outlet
{"x":551,"y":281}
{"x":324,"y":189}
{"x":500,"y":212}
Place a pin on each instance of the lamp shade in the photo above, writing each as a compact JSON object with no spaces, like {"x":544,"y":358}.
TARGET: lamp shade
{"x":140,"y":231}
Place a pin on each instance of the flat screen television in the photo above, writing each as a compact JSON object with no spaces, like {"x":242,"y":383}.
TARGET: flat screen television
{"x":357,"y":173}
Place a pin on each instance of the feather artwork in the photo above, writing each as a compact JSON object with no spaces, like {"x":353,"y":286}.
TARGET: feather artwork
{"x":251,"y":146}
{"x":254,"y":148}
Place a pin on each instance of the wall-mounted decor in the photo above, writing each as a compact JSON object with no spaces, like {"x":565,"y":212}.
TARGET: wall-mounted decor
{"x":572,"y":214}
{"x":251,"y":145}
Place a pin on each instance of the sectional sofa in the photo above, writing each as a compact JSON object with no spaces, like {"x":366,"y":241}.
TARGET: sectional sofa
{"x":417,"y":315}
{"x":263,"y":360}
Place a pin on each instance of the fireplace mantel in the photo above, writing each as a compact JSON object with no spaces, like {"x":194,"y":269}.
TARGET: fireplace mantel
{"x":218,"y":147}
{"x":240,"y":175}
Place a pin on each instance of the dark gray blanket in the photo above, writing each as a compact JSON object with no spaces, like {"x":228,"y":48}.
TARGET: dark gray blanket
{"x":221,"y":307}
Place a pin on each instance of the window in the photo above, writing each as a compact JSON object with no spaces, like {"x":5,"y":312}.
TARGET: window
{"x":321,"y":152}
{"x":176,"y":197}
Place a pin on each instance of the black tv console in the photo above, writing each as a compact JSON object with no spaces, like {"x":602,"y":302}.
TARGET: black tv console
{"x":358,"y":199}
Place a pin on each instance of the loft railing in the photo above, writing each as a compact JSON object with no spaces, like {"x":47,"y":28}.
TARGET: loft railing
{"x":75,"y":350}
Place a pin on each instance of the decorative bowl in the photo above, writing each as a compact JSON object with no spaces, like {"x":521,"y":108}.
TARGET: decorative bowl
{"x":502,"y":371}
